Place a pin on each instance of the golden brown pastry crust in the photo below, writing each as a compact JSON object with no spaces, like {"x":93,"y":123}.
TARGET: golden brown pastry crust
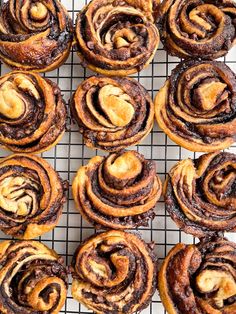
{"x":119,"y":191}
{"x":197,"y":28}
{"x":32,"y":112}
{"x":196,"y":106}
{"x":33,"y":278}
{"x":200,"y":194}
{"x":199,"y":279}
{"x":117,"y":37}
{"x":112,"y":113}
{"x":114,"y":272}
{"x":31,"y":196}
{"x":35,"y":35}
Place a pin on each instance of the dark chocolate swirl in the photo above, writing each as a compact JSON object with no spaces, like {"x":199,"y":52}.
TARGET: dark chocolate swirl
{"x":200,"y":279}
{"x":200,"y":194}
{"x":196,"y":107}
{"x":34,"y":35}
{"x":112,"y":113}
{"x":114,"y":272}
{"x":33,"y":279}
{"x":32,"y":112}
{"x":117,"y":37}
{"x":31,"y":196}
{"x":198,"y":28}
{"x":119,"y":191}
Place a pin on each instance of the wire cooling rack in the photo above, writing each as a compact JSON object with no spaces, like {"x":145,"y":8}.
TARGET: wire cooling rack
{"x":71,"y":153}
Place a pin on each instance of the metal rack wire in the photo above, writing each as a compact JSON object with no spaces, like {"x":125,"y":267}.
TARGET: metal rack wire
{"x":71,"y":153}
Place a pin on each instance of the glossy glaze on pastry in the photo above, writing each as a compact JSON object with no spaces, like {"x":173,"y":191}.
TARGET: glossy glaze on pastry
{"x":196,"y":107}
{"x":117,"y":37}
{"x":32,"y":112}
{"x":31,"y":196}
{"x":33,"y":279}
{"x":112,"y":113}
{"x":200,"y":194}
{"x":34,"y":35}
{"x":114,"y":272}
{"x":198,"y":28}
{"x":119,"y":191}
{"x":200,"y":279}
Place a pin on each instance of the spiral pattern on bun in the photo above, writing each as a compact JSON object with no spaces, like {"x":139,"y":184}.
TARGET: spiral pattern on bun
{"x":117,"y":37}
{"x":33,"y":279}
{"x":112,"y":113}
{"x":31,"y":196}
{"x":32,"y":112}
{"x":200,"y":279}
{"x":198,"y":28}
{"x":114,"y":272}
{"x":196,"y":107}
{"x":34,"y":35}
{"x":200,"y":194}
{"x":119,"y":191}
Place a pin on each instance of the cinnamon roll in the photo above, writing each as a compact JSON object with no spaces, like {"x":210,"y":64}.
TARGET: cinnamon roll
{"x":117,"y":37}
{"x":34,"y":35}
{"x":200,"y":194}
{"x":31,"y":196}
{"x":114,"y":272}
{"x":119,"y":191}
{"x":196,"y":107}
{"x":198,"y":28}
{"x":32,"y":112}
{"x":112,"y":113}
{"x":33,"y":279}
{"x":200,"y":279}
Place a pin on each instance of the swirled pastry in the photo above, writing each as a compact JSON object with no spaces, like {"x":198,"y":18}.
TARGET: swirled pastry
{"x":32,"y":112}
{"x":200,"y":194}
{"x":31,"y":196}
{"x":200,"y":279}
{"x":119,"y":191}
{"x":198,"y":28}
{"x":34,"y":35}
{"x":196,"y":106}
{"x":114,"y":272}
{"x":33,"y":279}
{"x":117,"y":37}
{"x":112,"y":113}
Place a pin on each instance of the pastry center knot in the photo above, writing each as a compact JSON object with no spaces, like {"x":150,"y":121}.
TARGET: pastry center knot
{"x":220,"y":282}
{"x":38,"y":11}
{"x":116,"y":105}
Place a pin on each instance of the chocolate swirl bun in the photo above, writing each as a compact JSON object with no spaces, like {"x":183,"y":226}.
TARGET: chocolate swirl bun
{"x":114,"y":272}
{"x":200,"y":279}
{"x":34,"y":35}
{"x":200,"y":194}
{"x":196,"y":107}
{"x":119,"y":191}
{"x":112,"y":113}
{"x":32,"y":112}
{"x":33,"y":279}
{"x":198,"y":28}
{"x":117,"y":37}
{"x":31,"y":196}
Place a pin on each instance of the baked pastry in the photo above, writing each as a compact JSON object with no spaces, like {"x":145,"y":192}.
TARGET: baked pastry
{"x":119,"y":191}
{"x":197,"y":28}
{"x":117,"y":37}
{"x":32,"y":112}
{"x":114,"y":272}
{"x":196,"y":106}
{"x":34,"y":35}
{"x":112,"y":113}
{"x":31,"y":196}
{"x":33,"y":278}
{"x":199,"y":279}
{"x":200,"y":194}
